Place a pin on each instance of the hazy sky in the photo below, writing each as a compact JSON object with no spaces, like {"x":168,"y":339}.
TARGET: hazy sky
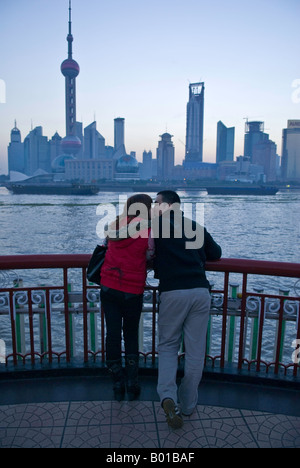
{"x":137,"y":58}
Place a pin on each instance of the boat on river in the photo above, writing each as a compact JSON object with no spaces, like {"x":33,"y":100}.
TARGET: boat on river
{"x":241,"y":190}
{"x":46,"y":185}
{"x":56,"y":188}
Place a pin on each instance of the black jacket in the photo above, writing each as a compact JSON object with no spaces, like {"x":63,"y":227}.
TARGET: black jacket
{"x":176,"y":266}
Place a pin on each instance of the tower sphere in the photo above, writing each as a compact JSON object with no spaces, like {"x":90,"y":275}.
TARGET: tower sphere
{"x":71,"y":144}
{"x":70,"y":68}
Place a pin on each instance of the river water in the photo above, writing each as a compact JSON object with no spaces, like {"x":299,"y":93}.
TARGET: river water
{"x":251,"y":227}
{"x":256,"y":227}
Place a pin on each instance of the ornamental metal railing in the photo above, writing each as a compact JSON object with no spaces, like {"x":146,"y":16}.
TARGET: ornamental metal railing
{"x":49,"y":312}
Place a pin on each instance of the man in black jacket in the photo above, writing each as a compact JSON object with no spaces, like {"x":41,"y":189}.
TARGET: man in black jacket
{"x":181,"y":248}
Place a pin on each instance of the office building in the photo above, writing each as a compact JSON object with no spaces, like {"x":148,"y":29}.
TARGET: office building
{"x":15,"y":151}
{"x":265,"y":155}
{"x":195,"y":124}
{"x":254,"y":133}
{"x":225,"y":142}
{"x":165,"y":157}
{"x":94,"y":143}
{"x":55,"y":146}
{"x":89,"y":170}
{"x":119,"y":133}
{"x":36,"y":153}
{"x":146,"y":167}
{"x":290,"y":163}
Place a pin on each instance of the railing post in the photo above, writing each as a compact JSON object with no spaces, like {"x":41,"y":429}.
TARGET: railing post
{"x":67,"y":317}
{"x":20,"y":323}
{"x":85,"y":315}
{"x":20,"y":333}
{"x":231,"y":338}
{"x":242,"y":325}
{"x":13,"y":326}
{"x":225,"y":305}
{"x":30,"y":313}
{"x":279,"y":330}
{"x":43,"y":327}
{"x":48,"y":320}
{"x":254,"y":328}
{"x":283,"y":292}
{"x":260,"y":333}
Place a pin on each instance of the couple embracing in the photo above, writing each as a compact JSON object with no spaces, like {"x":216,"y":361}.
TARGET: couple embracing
{"x":179,"y":264}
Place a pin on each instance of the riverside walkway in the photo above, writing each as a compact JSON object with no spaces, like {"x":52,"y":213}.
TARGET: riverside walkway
{"x":76,"y":412}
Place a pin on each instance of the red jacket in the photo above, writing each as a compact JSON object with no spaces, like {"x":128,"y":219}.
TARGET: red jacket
{"x":125,"y":262}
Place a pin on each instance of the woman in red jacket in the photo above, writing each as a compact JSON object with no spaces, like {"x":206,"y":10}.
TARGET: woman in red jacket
{"x":123,"y":277}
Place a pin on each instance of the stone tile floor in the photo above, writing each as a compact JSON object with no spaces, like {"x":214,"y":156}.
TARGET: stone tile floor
{"x":141,"y":424}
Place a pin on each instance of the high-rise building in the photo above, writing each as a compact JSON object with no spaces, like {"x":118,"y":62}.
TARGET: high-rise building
{"x":94,"y":143}
{"x":225,"y":142}
{"x":55,"y":146}
{"x":71,"y":144}
{"x":165,"y":157}
{"x":36,"y":152}
{"x":254,"y":133}
{"x":146,"y":168}
{"x":119,"y":133}
{"x":194,"y":125}
{"x":290,"y":162}
{"x":15,"y":151}
{"x":265,"y":154}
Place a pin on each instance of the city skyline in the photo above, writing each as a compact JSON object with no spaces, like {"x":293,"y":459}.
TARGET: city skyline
{"x":137,"y":60}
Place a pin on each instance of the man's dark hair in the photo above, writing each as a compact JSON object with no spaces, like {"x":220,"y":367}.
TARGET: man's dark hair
{"x":170,"y":197}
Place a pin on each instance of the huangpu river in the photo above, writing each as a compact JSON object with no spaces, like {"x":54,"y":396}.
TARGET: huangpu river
{"x":257,"y":227}
{"x":251,"y":227}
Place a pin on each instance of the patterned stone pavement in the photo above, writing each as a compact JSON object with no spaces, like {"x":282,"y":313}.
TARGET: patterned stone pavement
{"x":141,"y":424}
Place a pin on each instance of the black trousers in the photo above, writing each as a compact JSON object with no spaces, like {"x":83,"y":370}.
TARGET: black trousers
{"x":122,"y":313}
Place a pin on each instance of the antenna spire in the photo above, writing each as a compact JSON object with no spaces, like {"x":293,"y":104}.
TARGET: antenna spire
{"x":70,"y":37}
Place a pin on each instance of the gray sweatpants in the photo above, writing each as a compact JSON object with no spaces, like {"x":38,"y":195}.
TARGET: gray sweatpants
{"x":182,"y":312}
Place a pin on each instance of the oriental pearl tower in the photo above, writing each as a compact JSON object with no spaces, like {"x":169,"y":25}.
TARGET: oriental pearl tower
{"x":71,"y":144}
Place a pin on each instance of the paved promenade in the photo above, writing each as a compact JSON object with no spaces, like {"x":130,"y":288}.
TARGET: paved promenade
{"x":106,"y":424}
{"x":46,"y":413}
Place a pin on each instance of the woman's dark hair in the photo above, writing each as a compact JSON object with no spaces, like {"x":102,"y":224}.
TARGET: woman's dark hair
{"x":170,"y":197}
{"x":142,"y":199}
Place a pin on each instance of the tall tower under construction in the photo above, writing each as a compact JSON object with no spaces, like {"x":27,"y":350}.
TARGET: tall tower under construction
{"x":194,"y":125}
{"x":70,"y":69}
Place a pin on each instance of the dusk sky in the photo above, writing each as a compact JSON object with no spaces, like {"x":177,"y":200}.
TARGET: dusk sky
{"x":137,"y":59}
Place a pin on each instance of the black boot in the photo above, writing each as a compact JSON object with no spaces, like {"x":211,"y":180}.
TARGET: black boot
{"x":132,"y":370}
{"x":117,"y":372}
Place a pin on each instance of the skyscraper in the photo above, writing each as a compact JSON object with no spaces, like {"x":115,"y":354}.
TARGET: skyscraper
{"x":290,"y":163}
{"x":265,"y":154}
{"x":146,"y":168}
{"x":15,"y":151}
{"x":94,"y":142}
{"x":225,"y":142}
{"x":194,"y":125}
{"x":36,"y":152}
{"x":165,"y":157}
{"x":119,"y":133}
{"x":254,"y":133}
{"x":71,"y":144}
